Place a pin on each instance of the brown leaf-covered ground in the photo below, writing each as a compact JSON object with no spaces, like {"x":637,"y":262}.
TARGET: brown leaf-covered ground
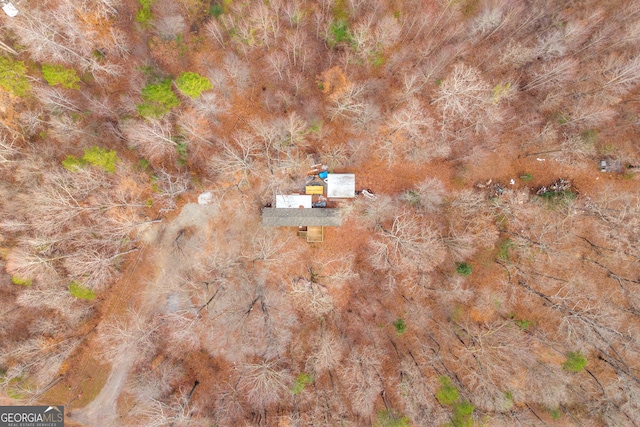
{"x":457,"y":297}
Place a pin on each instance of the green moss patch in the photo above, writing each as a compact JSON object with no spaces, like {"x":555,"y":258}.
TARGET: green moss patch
{"x":300,"y":383}
{"x":21,"y":281}
{"x":143,"y":15}
{"x":94,"y":156}
{"x":387,"y":418}
{"x":13,"y":76}
{"x":447,"y":394}
{"x":59,"y":75}
{"x":575,"y":362}
{"x":79,"y":291}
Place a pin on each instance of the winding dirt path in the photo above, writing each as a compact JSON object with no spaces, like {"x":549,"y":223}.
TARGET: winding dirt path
{"x":168,"y":249}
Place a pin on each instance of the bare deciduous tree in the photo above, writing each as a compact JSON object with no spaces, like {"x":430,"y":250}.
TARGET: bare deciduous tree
{"x":216,"y":31}
{"x":64,"y":128}
{"x":466,"y":96}
{"x":239,"y":158}
{"x":210,"y":105}
{"x":489,"y":20}
{"x":415,"y":393}
{"x":428,"y":195}
{"x":63,"y":35}
{"x":196,"y":128}
{"x":264,"y":383}
{"x":373,"y":213}
{"x":589,"y":114}
{"x":133,"y":338}
{"x":34,"y":364}
{"x":7,"y":148}
{"x":313,"y":295}
{"x":518,"y":55}
{"x":53,"y":299}
{"x":553,"y":74}
{"x":169,"y":26}
{"x":249,"y":320}
{"x":408,"y":245}
{"x":361,"y":374}
{"x":238,"y":70}
{"x":28,"y":263}
{"x":229,"y":404}
{"x":621,"y":74}
{"x":56,"y":100}
{"x":154,"y":138}
{"x":411,"y":121}
{"x":328,"y":352}
{"x":574,"y":147}
{"x":155,"y":384}
{"x":177,"y":412}
{"x":279,"y":64}
{"x":472,"y":215}
{"x":170,"y":186}
{"x":347,"y":102}
{"x":268,"y":247}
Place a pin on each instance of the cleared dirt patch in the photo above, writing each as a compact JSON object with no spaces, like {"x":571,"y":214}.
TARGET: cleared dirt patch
{"x":88,"y":389}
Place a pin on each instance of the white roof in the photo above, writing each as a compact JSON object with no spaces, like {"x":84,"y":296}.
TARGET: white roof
{"x":293,"y":201}
{"x":10,"y":9}
{"x":341,"y":185}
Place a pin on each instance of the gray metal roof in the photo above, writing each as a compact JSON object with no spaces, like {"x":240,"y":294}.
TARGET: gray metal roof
{"x":286,"y":217}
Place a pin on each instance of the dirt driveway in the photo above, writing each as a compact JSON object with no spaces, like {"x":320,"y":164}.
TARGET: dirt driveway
{"x":168,"y":249}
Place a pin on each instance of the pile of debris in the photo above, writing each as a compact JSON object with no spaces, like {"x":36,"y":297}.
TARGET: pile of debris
{"x":611,"y":166}
{"x":494,"y":189}
{"x":560,"y":185}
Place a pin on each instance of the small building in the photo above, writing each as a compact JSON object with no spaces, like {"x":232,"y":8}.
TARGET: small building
{"x":310,"y":222}
{"x":294,"y":201}
{"x":288,"y":217}
{"x":309,"y":211}
{"x":314,"y":189}
{"x":341,"y":186}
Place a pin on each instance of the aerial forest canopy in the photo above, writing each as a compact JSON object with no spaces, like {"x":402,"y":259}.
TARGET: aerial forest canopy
{"x":486,"y":272}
